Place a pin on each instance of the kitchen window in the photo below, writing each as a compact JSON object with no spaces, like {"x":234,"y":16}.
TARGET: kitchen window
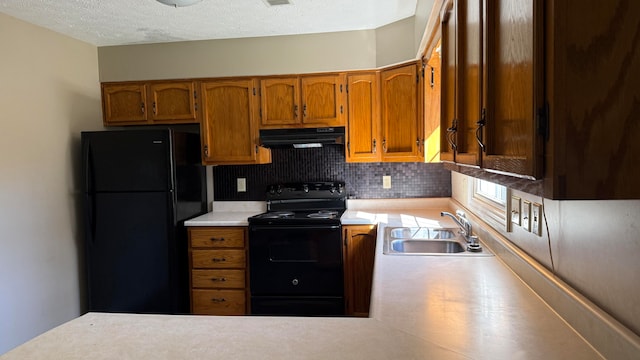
{"x":489,"y":200}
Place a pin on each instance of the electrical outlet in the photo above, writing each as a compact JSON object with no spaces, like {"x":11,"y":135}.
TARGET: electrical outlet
{"x":515,"y":210}
{"x":526,"y":215}
{"x":242,"y":184}
{"x":536,"y":219}
{"x":386,"y":182}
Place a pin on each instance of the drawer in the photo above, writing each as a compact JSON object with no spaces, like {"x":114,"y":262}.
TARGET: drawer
{"x":217,"y":237}
{"x":218,"y":259}
{"x":218,"y":302}
{"x":228,"y":279}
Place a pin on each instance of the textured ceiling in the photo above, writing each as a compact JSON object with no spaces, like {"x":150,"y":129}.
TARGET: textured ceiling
{"x":120,"y":22}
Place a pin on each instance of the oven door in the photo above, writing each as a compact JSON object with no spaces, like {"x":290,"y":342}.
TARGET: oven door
{"x":296,"y":260}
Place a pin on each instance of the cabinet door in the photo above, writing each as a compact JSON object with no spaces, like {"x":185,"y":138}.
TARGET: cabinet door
{"x":449,"y":82}
{"x":323,"y":100}
{"x":229,"y":122}
{"x":173,"y":102}
{"x":470,"y":95}
{"x":280,"y":102}
{"x":363,"y":139}
{"x":432,"y":88}
{"x":124,"y":104}
{"x":401,"y":118}
{"x":515,"y":89}
{"x":359,"y":249}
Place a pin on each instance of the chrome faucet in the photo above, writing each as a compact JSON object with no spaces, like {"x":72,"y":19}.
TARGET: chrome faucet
{"x":462,"y":222}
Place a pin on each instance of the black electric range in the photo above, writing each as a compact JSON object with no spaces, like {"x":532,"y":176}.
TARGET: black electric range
{"x":295,"y":251}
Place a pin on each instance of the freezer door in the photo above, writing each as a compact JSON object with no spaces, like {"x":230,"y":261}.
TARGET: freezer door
{"x":132,"y":160}
{"x":131,"y":253}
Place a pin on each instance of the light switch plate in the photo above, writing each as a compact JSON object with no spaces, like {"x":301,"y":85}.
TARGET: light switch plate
{"x":386,"y":182}
{"x":526,"y":215}
{"x":536,"y":219}
{"x":515,"y":210}
{"x":242,"y":184}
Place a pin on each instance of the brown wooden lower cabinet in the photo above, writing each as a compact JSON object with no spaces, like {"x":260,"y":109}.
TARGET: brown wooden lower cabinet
{"x":359,"y":255}
{"x":218,"y":302}
{"x":218,"y":274}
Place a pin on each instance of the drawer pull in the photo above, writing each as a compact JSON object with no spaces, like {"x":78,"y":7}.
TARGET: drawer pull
{"x":218,"y":279}
{"x":217,"y":239}
{"x":218,"y":259}
{"x":218,"y":300}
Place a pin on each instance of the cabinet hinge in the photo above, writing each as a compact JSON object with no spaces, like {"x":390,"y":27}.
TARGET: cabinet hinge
{"x":195,"y":94}
{"x":417,"y":78}
{"x":254,"y":91}
{"x":542,"y":121}
{"x":347,"y":88}
{"x":206,"y":151}
{"x":340,"y":87}
{"x":195,"y":106}
{"x":340,"y":109}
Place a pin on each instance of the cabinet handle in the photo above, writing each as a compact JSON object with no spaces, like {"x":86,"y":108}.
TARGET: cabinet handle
{"x":218,"y":260}
{"x":384,"y":145}
{"x":257,"y":149}
{"x":295,"y":111}
{"x":154,"y":108}
{"x":142,"y":108}
{"x":304,"y":110}
{"x":217,"y":239}
{"x":219,"y":279}
{"x":374,"y":146}
{"x":451,"y":132}
{"x":481,"y":123}
{"x":218,"y":300}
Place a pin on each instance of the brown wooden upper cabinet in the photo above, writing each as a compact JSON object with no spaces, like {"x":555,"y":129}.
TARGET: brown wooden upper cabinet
{"x":229,"y":126}
{"x":545,"y":89}
{"x":303,"y":101}
{"x":364,"y":130}
{"x":491,"y":65}
{"x":401,"y":113}
{"x":144,"y":103}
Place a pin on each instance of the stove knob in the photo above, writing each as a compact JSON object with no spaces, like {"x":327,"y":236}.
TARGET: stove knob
{"x":332,"y":190}
{"x":295,"y":282}
{"x":272,"y":190}
{"x":279,"y":191}
{"x":340,"y":189}
{"x":305,"y":188}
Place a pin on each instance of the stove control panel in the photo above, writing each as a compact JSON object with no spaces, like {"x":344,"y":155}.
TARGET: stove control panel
{"x":321,"y":189}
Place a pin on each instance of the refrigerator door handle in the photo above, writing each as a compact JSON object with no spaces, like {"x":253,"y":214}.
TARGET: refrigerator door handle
{"x":91,"y":223}
{"x":86,"y":166}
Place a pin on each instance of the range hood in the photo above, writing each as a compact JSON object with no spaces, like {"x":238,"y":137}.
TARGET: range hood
{"x":302,"y":137}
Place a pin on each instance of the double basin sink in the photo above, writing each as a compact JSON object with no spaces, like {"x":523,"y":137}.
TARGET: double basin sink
{"x":427,"y":241}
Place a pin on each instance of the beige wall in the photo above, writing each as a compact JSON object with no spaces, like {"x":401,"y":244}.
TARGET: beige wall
{"x":236,"y":57}
{"x":349,"y":50}
{"x":423,"y":11}
{"x":48,"y":93}
{"x":594,"y":246}
{"x":395,"y":42}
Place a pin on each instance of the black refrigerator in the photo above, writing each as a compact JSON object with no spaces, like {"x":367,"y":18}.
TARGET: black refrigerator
{"x":139,"y":188}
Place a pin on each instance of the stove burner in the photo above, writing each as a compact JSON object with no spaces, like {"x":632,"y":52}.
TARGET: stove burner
{"x":323,"y":214}
{"x":277,"y":215}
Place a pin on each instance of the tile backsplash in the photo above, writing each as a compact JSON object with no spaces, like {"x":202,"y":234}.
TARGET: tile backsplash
{"x":363,"y":180}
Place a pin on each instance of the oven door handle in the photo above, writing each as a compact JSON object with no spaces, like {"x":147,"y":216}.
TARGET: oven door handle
{"x":294,"y":227}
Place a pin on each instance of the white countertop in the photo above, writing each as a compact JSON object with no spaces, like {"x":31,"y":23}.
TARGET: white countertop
{"x":423,"y":307}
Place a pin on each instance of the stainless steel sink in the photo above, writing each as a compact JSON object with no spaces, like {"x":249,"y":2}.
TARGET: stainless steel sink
{"x":427,"y":241}
{"x":426,"y":246}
